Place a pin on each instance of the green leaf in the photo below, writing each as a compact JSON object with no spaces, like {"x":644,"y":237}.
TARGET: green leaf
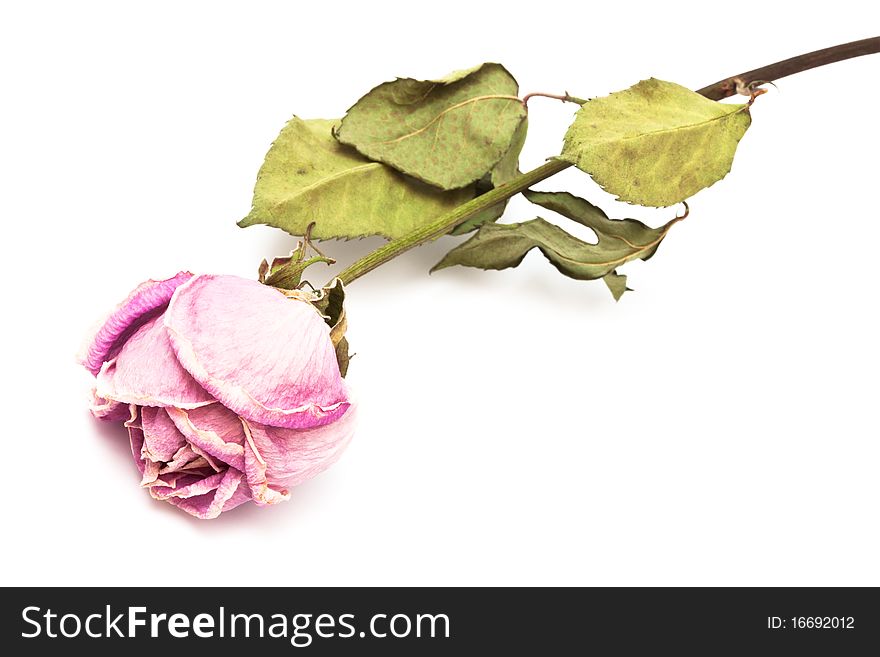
{"x":499,"y":246}
{"x":508,"y":167}
{"x":308,"y":177}
{"x":616,"y":283}
{"x":286,"y":273}
{"x":618,"y":236}
{"x":505,"y":170}
{"x":448,"y":132}
{"x":656,"y":143}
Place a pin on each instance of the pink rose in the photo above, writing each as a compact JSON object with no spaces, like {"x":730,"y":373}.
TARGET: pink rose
{"x":230,"y":390}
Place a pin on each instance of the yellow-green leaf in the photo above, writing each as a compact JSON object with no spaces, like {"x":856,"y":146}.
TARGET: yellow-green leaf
{"x":308,"y":176}
{"x":656,"y":143}
{"x":448,"y":132}
{"x":499,"y":246}
{"x":505,"y":170}
{"x":616,"y":284}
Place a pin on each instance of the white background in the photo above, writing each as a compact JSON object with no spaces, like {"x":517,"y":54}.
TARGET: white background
{"x":717,"y":426}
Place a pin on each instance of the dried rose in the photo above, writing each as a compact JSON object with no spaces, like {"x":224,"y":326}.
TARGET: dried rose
{"x":230,"y":390}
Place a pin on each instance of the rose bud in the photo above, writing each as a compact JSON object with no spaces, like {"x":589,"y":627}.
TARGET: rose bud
{"x":230,"y":390}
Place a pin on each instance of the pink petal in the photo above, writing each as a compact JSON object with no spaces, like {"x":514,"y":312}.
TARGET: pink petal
{"x":228,"y":495}
{"x":149,"y":469}
{"x":185,"y":459}
{"x":198,"y":486}
{"x":256,"y":468}
{"x":145,"y":299}
{"x":165,"y":482}
{"x":146,"y":372}
{"x":213,"y":464}
{"x":199,"y":493}
{"x":108,"y":409}
{"x":173,"y":479}
{"x":214,"y":430}
{"x":151,"y":472}
{"x":277,"y":459}
{"x":162,"y":440}
{"x":266,"y":357}
{"x":136,"y":438}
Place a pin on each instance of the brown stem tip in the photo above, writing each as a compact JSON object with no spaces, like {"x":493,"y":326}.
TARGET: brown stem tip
{"x":732,"y":85}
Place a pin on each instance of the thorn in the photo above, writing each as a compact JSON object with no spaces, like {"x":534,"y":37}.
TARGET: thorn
{"x":752,"y":89}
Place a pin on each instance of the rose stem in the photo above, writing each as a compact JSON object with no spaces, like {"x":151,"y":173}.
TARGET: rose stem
{"x":727,"y":87}
{"x":717,"y":91}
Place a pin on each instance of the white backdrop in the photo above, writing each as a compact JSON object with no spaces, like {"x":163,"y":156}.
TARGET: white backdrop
{"x":717,"y":426}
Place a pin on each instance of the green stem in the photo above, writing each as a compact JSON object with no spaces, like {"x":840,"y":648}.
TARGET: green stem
{"x":565,"y":98}
{"x":448,"y":221}
{"x":717,"y":91}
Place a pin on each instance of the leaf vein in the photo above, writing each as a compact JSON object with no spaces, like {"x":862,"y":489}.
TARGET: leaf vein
{"x":446,"y":111}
